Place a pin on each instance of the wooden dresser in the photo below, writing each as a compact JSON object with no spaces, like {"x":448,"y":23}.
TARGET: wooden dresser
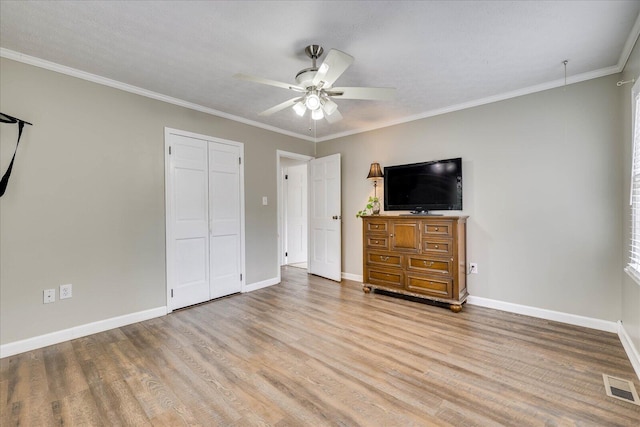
{"x":421,"y":256}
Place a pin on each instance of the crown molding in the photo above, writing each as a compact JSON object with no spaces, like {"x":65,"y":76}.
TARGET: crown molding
{"x":483,"y":101}
{"x":62,"y":69}
{"x":17,"y":56}
{"x":628,"y":46}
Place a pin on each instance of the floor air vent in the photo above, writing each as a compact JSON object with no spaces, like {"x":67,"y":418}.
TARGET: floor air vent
{"x":621,"y":389}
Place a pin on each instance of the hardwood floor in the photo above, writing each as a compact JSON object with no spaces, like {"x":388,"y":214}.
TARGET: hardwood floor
{"x":311,"y":352}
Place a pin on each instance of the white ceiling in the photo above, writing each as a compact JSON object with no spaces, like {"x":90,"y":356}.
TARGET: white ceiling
{"x":440,"y":55}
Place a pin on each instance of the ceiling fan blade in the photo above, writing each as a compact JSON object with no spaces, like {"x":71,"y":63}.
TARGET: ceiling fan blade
{"x":372,"y":93}
{"x":279,"y":107}
{"x":336,"y":116}
{"x":332,"y":67}
{"x":264,"y":81}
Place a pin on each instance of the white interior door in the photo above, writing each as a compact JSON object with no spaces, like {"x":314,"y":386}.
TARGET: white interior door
{"x":188,"y":240}
{"x":296,"y":214}
{"x":224,"y":217}
{"x":325,"y":219}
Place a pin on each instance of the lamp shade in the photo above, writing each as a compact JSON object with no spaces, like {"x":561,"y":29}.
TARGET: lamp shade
{"x":299,"y":108}
{"x":312,"y":102}
{"x":375,"y":171}
{"x":317,"y":114}
{"x":329,"y":107}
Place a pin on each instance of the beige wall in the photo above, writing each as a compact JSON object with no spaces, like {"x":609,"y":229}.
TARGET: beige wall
{"x":542,"y":186}
{"x":630,"y":289}
{"x":545,"y":177}
{"x":85,"y":204}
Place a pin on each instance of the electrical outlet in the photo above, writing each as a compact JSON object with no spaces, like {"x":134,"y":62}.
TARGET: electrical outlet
{"x":66,"y":291}
{"x":265,"y":201}
{"x":49,"y":296}
{"x":473,"y":268}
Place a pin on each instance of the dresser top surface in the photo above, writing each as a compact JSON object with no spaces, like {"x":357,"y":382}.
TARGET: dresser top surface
{"x":385,"y":216}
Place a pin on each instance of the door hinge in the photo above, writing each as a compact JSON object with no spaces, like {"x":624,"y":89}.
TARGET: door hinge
{"x":286,"y":254}
{"x":239,"y":160}
{"x":241,"y":277}
{"x":171,"y":293}
{"x":286,"y":177}
{"x":169,"y":150}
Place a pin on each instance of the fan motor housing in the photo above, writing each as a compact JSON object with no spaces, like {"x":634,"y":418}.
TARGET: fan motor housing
{"x":305,"y":77}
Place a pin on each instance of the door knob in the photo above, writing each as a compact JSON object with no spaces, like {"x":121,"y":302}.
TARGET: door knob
{"x":336,"y":217}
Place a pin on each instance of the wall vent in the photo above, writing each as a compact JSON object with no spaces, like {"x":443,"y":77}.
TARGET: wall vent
{"x":620,"y":389}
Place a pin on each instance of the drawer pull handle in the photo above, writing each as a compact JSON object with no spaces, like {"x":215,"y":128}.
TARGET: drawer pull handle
{"x":384,"y":258}
{"x":436,"y":246}
{"x":375,"y":241}
{"x":376,"y":226}
{"x":437,"y":228}
{"x":428,"y":265}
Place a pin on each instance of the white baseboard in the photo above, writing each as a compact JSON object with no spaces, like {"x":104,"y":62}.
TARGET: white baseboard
{"x":629,"y":348}
{"x":52,"y":338}
{"x":57,"y":337}
{"x":354,"y":277}
{"x":571,"y":319}
{"x":259,"y":285}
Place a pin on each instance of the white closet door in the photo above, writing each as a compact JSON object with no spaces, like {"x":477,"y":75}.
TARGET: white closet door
{"x":204,"y":194}
{"x":225,"y":214}
{"x":325,"y":218}
{"x":188,"y":242}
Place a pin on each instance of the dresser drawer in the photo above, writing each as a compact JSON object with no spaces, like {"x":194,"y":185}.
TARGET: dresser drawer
{"x":377,"y":242}
{"x":384,"y":259}
{"x":429,"y":265}
{"x":429,"y":285}
{"x":437,"y":228}
{"x":377,"y":226}
{"x":384,"y":277}
{"x":439,"y":247}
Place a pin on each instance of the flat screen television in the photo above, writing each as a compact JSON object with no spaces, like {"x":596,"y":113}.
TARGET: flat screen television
{"x":424,"y":187}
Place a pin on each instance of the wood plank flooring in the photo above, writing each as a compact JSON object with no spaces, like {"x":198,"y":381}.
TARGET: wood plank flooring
{"x":311,"y":352}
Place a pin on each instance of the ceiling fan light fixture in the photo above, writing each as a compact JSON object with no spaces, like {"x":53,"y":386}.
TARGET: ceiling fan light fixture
{"x":299,"y":108}
{"x":317,"y":114}
{"x":329,"y":106}
{"x":315,"y":89}
{"x":312,"y":101}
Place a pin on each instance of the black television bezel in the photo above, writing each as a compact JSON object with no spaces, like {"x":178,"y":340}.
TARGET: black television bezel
{"x":430,"y":207}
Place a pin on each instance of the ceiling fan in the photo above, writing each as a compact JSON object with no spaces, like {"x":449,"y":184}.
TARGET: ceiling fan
{"x":315,"y":87}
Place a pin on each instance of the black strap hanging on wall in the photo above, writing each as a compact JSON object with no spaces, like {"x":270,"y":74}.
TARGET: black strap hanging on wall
{"x":5,"y":118}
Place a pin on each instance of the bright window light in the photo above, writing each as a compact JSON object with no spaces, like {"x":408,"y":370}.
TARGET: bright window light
{"x":634,"y":256}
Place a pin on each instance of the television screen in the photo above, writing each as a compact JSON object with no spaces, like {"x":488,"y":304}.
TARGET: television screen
{"x":422,"y":187}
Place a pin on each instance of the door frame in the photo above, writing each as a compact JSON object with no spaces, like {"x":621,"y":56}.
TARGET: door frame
{"x":279,"y":194}
{"x":169,"y":212}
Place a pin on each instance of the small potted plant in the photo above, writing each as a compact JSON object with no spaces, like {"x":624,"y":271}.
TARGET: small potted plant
{"x":372,"y":208}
